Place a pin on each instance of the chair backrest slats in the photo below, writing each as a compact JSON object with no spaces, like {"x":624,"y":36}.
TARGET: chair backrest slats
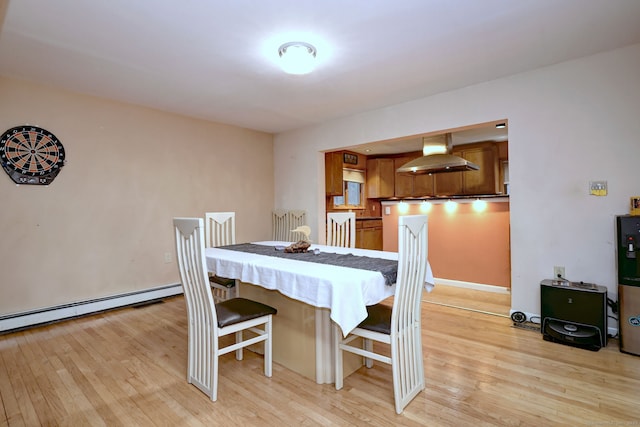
{"x":280,"y":225}
{"x":202,"y":326}
{"x":220,"y":229}
{"x":341,"y":229}
{"x":283,"y":221}
{"x":412,"y":267}
{"x":406,"y":316}
{"x":297,"y":218}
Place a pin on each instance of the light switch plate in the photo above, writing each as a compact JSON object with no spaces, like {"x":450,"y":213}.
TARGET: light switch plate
{"x":598,"y":188}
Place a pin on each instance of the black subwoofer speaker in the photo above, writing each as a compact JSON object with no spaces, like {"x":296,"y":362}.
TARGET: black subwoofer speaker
{"x":574,"y":313}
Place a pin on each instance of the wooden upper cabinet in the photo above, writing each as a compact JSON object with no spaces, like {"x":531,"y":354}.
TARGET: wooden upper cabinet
{"x":503,"y":150}
{"x":423,"y":185}
{"x":449,"y":183}
{"x":483,"y":181}
{"x":334,"y":165}
{"x":380,"y":178}
{"x":408,"y":185}
{"x":333,"y":173}
{"x":403,"y":184}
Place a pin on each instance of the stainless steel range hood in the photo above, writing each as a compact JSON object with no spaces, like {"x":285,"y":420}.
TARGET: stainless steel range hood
{"x":437,"y":163}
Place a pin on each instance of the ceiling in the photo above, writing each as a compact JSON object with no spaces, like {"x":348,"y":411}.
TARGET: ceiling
{"x":476,"y":133}
{"x":217,"y":59}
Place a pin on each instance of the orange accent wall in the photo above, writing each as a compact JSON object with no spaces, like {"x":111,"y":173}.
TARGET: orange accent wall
{"x":463,"y":245}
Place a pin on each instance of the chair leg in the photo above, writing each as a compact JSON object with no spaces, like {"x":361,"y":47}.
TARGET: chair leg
{"x":339,"y":372}
{"x":239,"y":351}
{"x":214,"y":379}
{"x":268,"y":361}
{"x":368,"y":346}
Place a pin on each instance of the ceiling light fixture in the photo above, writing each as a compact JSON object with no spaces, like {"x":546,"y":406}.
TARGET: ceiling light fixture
{"x":501,"y":125}
{"x":297,"y":57}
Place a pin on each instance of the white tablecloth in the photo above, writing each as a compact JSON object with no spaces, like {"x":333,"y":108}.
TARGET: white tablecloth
{"x":345,"y":291}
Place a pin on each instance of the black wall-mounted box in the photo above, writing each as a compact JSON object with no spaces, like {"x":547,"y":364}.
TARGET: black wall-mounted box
{"x":574,"y":313}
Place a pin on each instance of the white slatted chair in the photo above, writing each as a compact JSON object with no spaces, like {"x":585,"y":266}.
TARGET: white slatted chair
{"x":400,"y":325}
{"x":209,"y":321}
{"x":280,"y":225}
{"x":297,"y":218}
{"x":220,"y":230}
{"x":341,"y":229}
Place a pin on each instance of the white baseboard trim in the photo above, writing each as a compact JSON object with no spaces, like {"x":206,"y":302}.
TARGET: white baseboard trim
{"x":82,"y":308}
{"x":471,"y":285}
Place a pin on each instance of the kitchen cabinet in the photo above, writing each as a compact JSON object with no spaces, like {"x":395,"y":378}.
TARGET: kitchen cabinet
{"x":380,"y":178}
{"x":408,"y":185}
{"x":335,"y":164}
{"x":423,"y":185}
{"x":333,"y":173}
{"x":369,"y":234}
{"x":403,"y":184}
{"x":483,"y":181}
{"x":503,"y":167}
{"x":449,"y":183}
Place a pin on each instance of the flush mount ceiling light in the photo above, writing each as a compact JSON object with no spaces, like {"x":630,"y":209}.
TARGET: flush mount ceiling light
{"x":297,"y":57}
{"x":501,"y":125}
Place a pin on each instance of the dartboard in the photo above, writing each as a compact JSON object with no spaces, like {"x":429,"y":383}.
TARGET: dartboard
{"x":31,"y":155}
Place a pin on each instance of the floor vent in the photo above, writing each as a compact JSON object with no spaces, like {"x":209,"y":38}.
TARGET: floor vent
{"x":147,"y":303}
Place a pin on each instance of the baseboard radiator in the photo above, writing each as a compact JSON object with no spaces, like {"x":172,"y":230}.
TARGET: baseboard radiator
{"x":46,"y":315}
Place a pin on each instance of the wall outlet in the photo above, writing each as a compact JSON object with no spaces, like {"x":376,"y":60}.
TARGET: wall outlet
{"x":558,"y":272}
{"x":167,"y":257}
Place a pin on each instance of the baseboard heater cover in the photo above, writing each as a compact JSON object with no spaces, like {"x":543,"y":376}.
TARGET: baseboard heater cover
{"x":66,"y":311}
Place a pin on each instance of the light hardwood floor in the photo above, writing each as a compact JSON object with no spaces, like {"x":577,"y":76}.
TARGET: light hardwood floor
{"x":128,"y":367}
{"x":495,"y":303}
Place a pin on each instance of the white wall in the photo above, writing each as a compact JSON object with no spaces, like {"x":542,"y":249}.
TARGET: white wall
{"x":568,"y":124}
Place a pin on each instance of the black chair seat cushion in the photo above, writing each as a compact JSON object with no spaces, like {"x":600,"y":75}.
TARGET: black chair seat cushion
{"x":378,"y":319}
{"x":236,"y":310}
{"x":229,"y":283}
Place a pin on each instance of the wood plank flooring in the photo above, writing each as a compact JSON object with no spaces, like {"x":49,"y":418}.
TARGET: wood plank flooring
{"x":494,"y":303}
{"x":128,"y":367}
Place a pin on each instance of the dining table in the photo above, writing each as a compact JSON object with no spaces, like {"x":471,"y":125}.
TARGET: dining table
{"x":312,"y":290}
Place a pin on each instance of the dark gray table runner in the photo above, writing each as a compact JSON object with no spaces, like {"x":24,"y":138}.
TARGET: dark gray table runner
{"x":387,"y":267}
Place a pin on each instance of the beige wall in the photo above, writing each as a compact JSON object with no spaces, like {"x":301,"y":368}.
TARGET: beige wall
{"x":104,"y":225}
